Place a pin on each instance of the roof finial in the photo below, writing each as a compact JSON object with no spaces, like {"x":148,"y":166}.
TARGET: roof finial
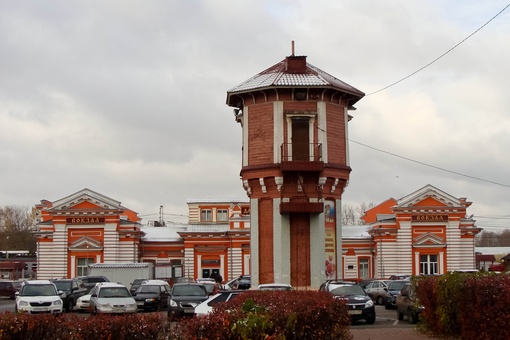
{"x":292,"y":48}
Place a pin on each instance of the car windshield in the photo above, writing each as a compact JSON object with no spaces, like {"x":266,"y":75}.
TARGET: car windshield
{"x":111,"y":292}
{"x":188,"y":291}
{"x":348,"y":290}
{"x":396,"y":285}
{"x":63,"y":285}
{"x":39,"y":290}
{"x":148,"y":289}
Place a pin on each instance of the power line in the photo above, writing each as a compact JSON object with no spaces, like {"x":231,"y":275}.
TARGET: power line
{"x":441,"y":56}
{"x":432,"y":166}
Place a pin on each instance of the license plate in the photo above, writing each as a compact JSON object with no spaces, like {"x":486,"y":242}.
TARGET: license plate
{"x":40,"y":309}
{"x":118,"y":310}
{"x":189,"y":310}
{"x":139,"y":303}
{"x":355,"y":311}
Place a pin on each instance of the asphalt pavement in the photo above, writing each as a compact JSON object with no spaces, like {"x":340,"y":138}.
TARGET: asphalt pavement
{"x":388,"y":333}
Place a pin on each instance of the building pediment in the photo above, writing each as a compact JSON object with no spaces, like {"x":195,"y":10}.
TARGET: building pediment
{"x":428,"y":240}
{"x":85,"y":244}
{"x":86,"y":199}
{"x":430,"y":197}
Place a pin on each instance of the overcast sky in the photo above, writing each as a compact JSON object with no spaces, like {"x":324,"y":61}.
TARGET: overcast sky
{"x":127,"y":98}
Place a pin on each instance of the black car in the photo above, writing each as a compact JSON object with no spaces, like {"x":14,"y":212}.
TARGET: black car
{"x":152,"y":295}
{"x":135,"y":285}
{"x":360,"y":305}
{"x":394,"y":287}
{"x":73,"y":289}
{"x":90,"y":281}
{"x":184,"y":297}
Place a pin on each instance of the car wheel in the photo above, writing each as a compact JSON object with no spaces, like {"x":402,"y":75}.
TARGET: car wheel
{"x":380,"y":300}
{"x":69,"y":306}
{"x":371,"y":319}
{"x":400,"y":316}
{"x":413,"y":317}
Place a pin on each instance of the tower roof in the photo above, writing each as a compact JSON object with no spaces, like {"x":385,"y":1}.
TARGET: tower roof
{"x":293,"y":71}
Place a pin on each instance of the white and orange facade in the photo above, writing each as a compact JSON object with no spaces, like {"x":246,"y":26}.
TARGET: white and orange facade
{"x":88,"y":227}
{"x":82,"y":229}
{"x":426,"y":232}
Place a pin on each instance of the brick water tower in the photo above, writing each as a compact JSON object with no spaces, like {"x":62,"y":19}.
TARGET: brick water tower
{"x":295,"y":166}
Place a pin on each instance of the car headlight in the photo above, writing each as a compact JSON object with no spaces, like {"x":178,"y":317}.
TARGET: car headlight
{"x":103,"y":305}
{"x":57,"y":302}
{"x":369,"y":303}
{"x":173,"y":303}
{"x":150,"y":300}
{"x":23,"y":303}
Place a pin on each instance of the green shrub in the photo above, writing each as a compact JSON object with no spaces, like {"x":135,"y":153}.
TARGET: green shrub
{"x":274,"y":315}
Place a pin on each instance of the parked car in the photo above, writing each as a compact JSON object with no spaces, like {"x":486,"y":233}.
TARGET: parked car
{"x":135,"y":284}
{"x":73,"y":289}
{"x":83,"y":303}
{"x":184,"y":280}
{"x":9,"y":288}
{"x":274,"y":286}
{"x":207,"y":306}
{"x":400,"y":277}
{"x":244,"y":282}
{"x":184,"y":297}
{"x":394,"y":288}
{"x":377,"y":290}
{"x":38,"y":297}
{"x":111,"y":298}
{"x":90,"y":281}
{"x":329,"y":285}
{"x":360,"y":305}
{"x":152,"y":295}
{"x":407,"y":304}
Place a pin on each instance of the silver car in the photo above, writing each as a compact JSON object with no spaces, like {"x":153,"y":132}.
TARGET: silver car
{"x":112,"y":298}
{"x":377,"y":290}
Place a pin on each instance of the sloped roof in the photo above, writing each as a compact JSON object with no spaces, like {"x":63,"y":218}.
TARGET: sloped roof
{"x":278,"y":75}
{"x":161,"y":234}
{"x":356,"y":231}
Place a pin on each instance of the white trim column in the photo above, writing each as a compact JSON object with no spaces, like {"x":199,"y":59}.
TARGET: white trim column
{"x":254,"y":241}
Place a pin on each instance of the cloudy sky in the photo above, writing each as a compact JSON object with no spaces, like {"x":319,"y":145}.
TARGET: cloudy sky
{"x":127,"y":98}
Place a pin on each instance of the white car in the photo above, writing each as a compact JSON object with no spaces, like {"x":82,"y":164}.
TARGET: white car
{"x":39,"y":296}
{"x":83,"y":303}
{"x":206,"y":307}
{"x":112,"y":298}
{"x":274,"y":286}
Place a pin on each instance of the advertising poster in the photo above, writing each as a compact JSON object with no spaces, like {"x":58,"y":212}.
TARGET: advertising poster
{"x":330,"y":222}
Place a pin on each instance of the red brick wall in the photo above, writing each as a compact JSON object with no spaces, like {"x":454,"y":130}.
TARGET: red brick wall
{"x":300,"y":250}
{"x":260,"y":134}
{"x":336,"y":134}
{"x":266,"y":268}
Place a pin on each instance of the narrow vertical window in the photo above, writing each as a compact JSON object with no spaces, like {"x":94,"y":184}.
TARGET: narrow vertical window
{"x":206,"y":215}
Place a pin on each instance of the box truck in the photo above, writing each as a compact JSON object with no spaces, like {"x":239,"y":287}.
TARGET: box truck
{"x":124,"y":273}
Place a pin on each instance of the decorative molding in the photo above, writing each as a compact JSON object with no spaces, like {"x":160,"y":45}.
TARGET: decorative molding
{"x":262,"y":185}
{"x":279,"y":182}
{"x":335,"y":183}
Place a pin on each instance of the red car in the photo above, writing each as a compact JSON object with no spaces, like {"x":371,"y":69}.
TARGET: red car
{"x":9,"y":288}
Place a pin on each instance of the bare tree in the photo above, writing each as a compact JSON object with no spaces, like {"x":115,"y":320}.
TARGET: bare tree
{"x":352,"y":215}
{"x":493,"y":239}
{"x":16,"y":226}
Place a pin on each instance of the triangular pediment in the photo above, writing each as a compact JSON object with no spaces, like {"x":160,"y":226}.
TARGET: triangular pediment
{"x":86,"y":199}
{"x":428,"y":239}
{"x":428,"y":196}
{"x":85,"y":243}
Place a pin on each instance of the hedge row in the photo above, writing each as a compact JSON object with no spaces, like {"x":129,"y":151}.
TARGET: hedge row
{"x":466,"y":306}
{"x":252,"y":315}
